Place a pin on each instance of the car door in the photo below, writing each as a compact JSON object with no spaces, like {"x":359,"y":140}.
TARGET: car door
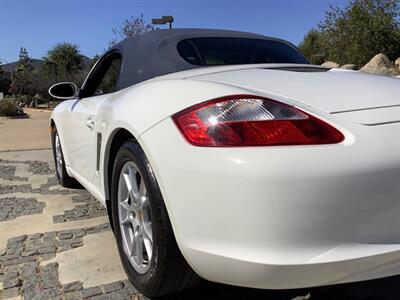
{"x":83,"y":139}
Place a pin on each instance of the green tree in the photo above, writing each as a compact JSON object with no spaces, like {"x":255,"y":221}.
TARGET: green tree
{"x":361,"y":30}
{"x":4,"y":80}
{"x":134,"y":26}
{"x":311,"y":45}
{"x":63,"y":62}
{"x":41,"y":82}
{"x":22,"y":79}
{"x":25,"y":61}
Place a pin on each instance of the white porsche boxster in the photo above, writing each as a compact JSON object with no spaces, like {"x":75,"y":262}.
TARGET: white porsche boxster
{"x":227,"y":156}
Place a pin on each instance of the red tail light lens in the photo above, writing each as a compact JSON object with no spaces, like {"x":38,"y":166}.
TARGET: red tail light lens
{"x":246,"y":120}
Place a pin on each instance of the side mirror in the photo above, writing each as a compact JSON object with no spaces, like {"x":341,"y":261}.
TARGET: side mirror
{"x":64,"y":91}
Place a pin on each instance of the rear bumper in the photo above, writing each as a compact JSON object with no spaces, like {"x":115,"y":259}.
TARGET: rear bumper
{"x":284,"y":217}
{"x":266,"y":275}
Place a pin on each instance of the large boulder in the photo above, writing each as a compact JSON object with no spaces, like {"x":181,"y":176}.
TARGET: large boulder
{"x":380,"y":64}
{"x":348,"y":67}
{"x":330,"y":64}
{"x":397,"y":63}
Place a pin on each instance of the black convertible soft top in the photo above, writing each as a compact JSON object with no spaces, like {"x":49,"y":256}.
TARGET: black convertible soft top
{"x":155,"y":52}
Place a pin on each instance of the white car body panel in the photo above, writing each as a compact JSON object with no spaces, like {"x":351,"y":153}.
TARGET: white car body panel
{"x":78,"y":141}
{"x":330,"y":91}
{"x":265,"y":217}
{"x":374,"y":116}
{"x":81,"y":140}
{"x":284,"y":217}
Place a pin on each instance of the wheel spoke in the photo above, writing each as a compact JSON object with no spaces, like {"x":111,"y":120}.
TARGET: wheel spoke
{"x":132,"y":247}
{"x":126,"y":221}
{"x":148,"y":244}
{"x":142,"y":195}
{"x":142,"y":188}
{"x":128,"y":184}
{"x":134,"y":184}
{"x":125,"y":205}
{"x":144,"y":205}
{"x":139,"y":250}
{"x":147,"y":232}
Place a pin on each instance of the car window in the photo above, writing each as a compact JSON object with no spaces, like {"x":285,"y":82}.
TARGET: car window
{"x":104,"y":78}
{"x":109,"y":83}
{"x":230,"y":51}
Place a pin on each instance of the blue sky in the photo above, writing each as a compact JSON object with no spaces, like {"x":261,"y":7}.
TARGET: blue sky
{"x":39,"y":24}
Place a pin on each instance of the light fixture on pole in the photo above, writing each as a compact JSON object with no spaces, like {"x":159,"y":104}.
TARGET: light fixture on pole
{"x":164,"y":20}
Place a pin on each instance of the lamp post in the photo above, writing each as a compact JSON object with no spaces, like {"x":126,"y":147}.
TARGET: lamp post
{"x":163,"y":20}
{"x":11,"y":73}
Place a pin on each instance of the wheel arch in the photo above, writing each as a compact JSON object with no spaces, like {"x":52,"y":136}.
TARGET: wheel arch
{"x":116,"y":139}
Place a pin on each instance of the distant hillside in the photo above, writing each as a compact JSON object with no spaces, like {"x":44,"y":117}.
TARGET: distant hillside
{"x":37,"y":63}
{"x":87,"y":62}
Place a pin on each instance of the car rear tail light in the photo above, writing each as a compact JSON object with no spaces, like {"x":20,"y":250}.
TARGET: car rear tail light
{"x":246,"y":120}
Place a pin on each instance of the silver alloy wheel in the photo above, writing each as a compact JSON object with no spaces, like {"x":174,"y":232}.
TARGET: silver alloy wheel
{"x":59,"y":159}
{"x":135,"y":217}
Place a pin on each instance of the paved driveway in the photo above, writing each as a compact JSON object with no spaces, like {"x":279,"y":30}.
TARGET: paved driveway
{"x":32,"y":133}
{"x":53,"y":241}
{"x":56,"y":243}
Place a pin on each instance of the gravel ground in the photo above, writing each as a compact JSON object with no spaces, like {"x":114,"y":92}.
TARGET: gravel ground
{"x":68,"y":221}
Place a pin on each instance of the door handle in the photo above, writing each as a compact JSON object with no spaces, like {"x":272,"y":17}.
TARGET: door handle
{"x":90,"y":122}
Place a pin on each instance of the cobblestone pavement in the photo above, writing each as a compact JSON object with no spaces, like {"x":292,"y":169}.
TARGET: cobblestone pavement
{"x":46,"y":221}
{"x":12,"y":207}
{"x":56,"y":243}
{"x":89,"y":209}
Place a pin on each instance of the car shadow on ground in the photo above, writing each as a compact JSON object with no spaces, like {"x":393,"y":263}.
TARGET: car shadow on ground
{"x":380,"y":289}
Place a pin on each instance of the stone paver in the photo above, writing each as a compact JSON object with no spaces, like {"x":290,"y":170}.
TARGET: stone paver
{"x":8,"y":173}
{"x":56,"y":243}
{"x":90,"y":208}
{"x":13,"y":207}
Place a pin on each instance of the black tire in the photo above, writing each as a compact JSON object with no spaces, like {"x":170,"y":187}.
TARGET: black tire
{"x":168,"y":271}
{"x":63,"y":178}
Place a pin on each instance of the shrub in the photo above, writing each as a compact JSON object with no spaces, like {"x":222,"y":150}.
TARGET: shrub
{"x":311,"y":45}
{"x":25,"y":99}
{"x":356,"y":33}
{"x":7,"y":108}
{"x":317,"y":59}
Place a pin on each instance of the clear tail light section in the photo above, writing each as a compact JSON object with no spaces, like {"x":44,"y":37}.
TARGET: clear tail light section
{"x":247,"y":120}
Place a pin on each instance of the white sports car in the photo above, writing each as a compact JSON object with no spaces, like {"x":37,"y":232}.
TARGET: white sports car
{"x":226,"y":156}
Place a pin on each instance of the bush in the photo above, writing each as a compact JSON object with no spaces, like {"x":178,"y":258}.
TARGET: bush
{"x":7,"y":108}
{"x":357,"y":32}
{"x":311,"y":44}
{"x":317,"y":59}
{"x":25,"y":99}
